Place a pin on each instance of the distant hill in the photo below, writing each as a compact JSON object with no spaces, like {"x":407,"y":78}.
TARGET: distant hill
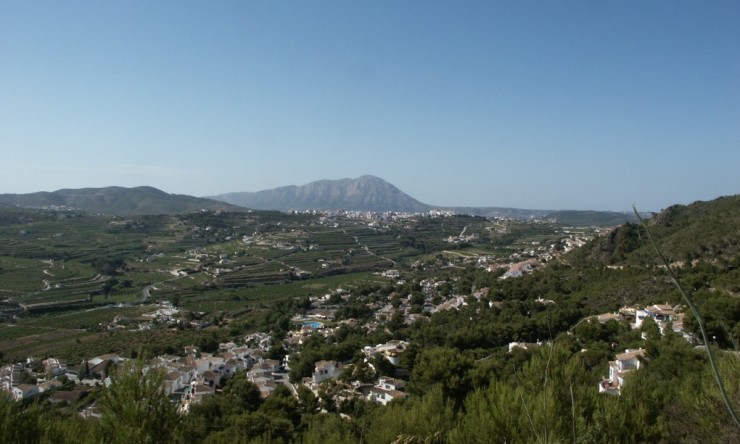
{"x":370,"y":193}
{"x":512,"y":213}
{"x":365,"y":193}
{"x":596,"y":218}
{"x":116,"y":200}
{"x":566,"y":217}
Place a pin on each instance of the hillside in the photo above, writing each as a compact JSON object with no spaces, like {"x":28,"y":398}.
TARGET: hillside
{"x":365,"y":193}
{"x":115,"y":200}
{"x":619,"y":268}
{"x":702,"y":230}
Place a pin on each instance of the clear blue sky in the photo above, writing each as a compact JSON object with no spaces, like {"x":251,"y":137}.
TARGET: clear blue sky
{"x":529,"y":104}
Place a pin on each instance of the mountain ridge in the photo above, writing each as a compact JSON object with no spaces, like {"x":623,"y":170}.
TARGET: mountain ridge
{"x":116,"y":200}
{"x":365,"y":193}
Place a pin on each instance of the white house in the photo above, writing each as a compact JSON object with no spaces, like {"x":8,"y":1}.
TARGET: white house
{"x":172,"y":382}
{"x":640,"y":316}
{"x":391,"y":350}
{"x":211,"y":378}
{"x":623,"y":364}
{"x":386,"y":390}
{"x":23,"y":391}
{"x":198,"y":391}
{"x":10,"y":376}
{"x":661,"y":312}
{"x":326,"y":370}
{"x":384,"y":396}
{"x":53,"y":367}
{"x":272,"y":365}
{"x":390,"y":383}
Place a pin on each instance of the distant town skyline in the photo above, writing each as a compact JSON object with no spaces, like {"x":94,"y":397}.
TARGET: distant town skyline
{"x":538,"y":105}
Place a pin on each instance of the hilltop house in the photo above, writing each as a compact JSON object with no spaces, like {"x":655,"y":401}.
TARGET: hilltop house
{"x":623,"y":364}
{"x":386,"y":390}
{"x":658,"y":312}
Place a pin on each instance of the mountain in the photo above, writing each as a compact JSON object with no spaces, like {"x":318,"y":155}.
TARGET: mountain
{"x":370,"y":193}
{"x":365,"y":193}
{"x":116,"y":200}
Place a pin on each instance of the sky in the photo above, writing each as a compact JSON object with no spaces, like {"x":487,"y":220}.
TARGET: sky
{"x":525,"y":104}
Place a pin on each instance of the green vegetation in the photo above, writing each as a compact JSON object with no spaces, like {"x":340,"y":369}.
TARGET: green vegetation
{"x":255,"y":271}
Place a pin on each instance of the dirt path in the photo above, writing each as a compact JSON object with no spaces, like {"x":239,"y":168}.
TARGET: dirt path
{"x":371,"y":253}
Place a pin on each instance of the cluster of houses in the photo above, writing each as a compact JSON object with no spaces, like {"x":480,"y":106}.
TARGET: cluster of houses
{"x":195,"y":375}
{"x":521,"y":268}
{"x":665,"y":316}
{"x":16,"y":379}
{"x":188,"y":379}
{"x":329,"y":216}
{"x":166,"y":315}
{"x":535,"y":256}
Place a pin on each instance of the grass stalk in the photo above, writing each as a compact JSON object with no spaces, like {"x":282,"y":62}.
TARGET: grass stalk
{"x":573,"y":412}
{"x":697,"y":316}
{"x":526,"y":410}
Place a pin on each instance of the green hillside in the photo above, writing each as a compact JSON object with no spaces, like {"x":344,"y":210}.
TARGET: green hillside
{"x":699,"y":231}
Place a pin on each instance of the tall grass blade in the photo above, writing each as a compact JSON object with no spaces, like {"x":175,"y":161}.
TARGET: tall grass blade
{"x":697,"y":316}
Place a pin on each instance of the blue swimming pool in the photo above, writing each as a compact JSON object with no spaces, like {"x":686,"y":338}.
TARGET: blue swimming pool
{"x":313,"y":324}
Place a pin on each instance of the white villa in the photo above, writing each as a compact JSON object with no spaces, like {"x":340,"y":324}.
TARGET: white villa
{"x":623,"y":364}
{"x":326,"y":370}
{"x":386,"y":390}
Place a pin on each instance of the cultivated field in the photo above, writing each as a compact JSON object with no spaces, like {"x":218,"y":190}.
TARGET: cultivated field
{"x":72,"y":284}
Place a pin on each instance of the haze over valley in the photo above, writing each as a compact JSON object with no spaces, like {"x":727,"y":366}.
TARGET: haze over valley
{"x":365,"y":194}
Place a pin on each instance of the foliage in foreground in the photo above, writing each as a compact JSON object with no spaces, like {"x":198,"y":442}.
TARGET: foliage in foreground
{"x":550,"y":396}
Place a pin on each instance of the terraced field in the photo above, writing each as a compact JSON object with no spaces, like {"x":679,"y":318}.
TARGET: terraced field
{"x":67,"y":269}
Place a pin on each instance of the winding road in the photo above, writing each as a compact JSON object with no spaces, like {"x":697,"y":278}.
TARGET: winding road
{"x":146,"y":291}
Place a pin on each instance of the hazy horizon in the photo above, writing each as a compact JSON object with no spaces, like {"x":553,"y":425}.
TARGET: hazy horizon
{"x":537,"y":105}
{"x":432,"y":204}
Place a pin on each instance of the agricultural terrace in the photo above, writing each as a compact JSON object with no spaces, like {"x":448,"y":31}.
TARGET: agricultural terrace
{"x":74,"y":283}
